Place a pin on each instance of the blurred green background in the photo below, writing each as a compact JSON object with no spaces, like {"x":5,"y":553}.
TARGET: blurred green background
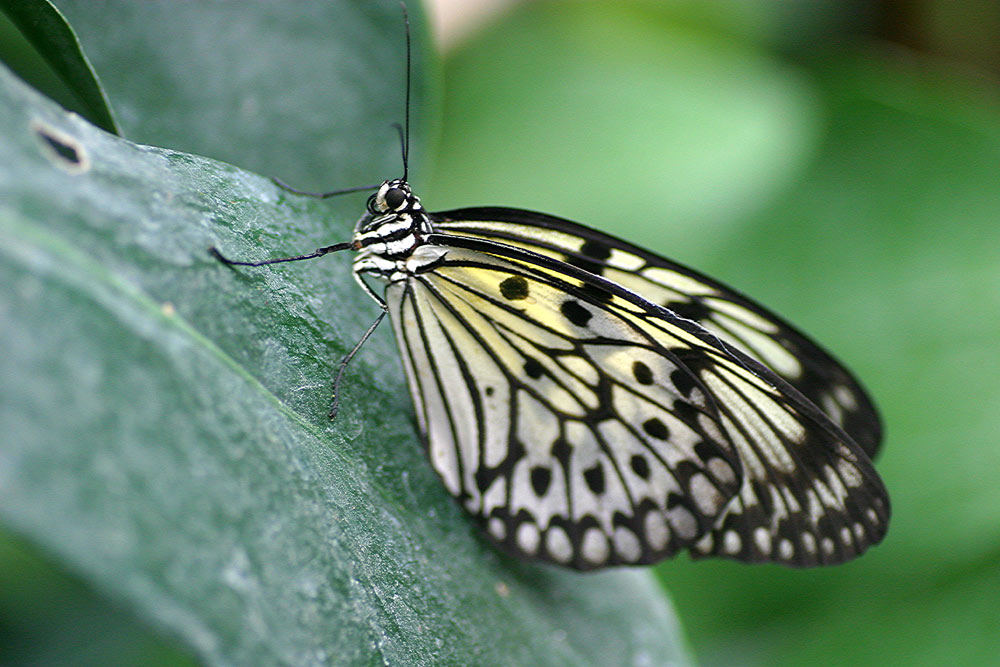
{"x":838,"y":161}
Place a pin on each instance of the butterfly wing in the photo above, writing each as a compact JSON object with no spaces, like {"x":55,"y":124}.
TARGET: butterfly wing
{"x":583,"y":424}
{"x":569,"y":432}
{"x":720,"y":309}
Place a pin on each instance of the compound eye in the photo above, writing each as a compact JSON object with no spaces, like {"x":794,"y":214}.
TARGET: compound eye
{"x":394,"y":198}
{"x":371,"y":205}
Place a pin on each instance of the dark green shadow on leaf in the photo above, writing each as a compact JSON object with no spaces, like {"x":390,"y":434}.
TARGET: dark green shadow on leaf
{"x":48,"y":617}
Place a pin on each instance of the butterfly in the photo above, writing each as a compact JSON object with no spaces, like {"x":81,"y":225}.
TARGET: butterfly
{"x":591,"y":404}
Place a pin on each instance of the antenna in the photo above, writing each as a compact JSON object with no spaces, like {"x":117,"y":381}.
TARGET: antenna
{"x":404,"y":136}
{"x":406,"y":116}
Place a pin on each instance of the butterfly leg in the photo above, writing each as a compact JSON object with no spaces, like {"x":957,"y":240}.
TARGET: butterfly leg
{"x":347,"y":359}
{"x":350,"y":355}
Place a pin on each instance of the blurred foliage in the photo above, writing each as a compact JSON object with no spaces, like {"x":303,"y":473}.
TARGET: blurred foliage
{"x":847,"y":182}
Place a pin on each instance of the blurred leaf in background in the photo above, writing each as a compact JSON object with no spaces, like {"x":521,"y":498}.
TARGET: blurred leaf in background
{"x":850,"y":183}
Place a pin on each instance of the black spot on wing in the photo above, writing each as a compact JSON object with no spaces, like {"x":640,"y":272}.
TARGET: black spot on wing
{"x":595,"y":479}
{"x":596,"y":249}
{"x":676,"y":500}
{"x":596,"y":292}
{"x":561,"y":451}
{"x":533,"y":368}
{"x":687,"y":413}
{"x":656,"y":429}
{"x":591,"y":258}
{"x":706,"y":451}
{"x":514,"y":288}
{"x":684,"y":382}
{"x":485,"y":475}
{"x":640,"y":466}
{"x":642,"y":373}
{"x":540,"y":479}
{"x":575,"y":313}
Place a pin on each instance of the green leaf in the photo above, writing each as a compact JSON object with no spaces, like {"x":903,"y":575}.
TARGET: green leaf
{"x":46,"y":28}
{"x":166,"y":436}
{"x":305,"y":91}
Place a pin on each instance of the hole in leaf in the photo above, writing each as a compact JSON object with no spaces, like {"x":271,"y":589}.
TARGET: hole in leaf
{"x":61,"y":148}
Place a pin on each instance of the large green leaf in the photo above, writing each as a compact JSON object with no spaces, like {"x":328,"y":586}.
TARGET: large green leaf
{"x":305,"y":91}
{"x":166,"y":439}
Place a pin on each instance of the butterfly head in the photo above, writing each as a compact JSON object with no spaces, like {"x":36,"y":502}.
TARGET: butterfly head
{"x":393,"y":197}
{"x":393,"y":224}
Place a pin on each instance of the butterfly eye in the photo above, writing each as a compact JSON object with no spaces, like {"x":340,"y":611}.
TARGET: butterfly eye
{"x":394,"y":197}
{"x":371,"y":205}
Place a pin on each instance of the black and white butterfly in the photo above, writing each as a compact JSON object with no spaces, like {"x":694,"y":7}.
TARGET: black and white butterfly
{"x":593,"y":404}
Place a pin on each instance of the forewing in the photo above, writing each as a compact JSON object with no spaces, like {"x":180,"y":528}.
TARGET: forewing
{"x":720,"y":309}
{"x":569,"y":431}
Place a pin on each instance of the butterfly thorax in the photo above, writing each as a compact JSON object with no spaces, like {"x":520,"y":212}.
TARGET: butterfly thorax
{"x":390,"y":236}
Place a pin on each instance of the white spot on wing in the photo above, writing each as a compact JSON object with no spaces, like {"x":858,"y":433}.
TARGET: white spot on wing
{"x":731,"y":542}
{"x":528,"y":537}
{"x":594,"y":546}
{"x":624,"y":260}
{"x":558,"y":545}
{"x":497,"y":528}
{"x":737,"y":312}
{"x":759,"y":346}
{"x":845,"y":396}
{"x":849,"y":473}
{"x":657,"y":531}
{"x":706,"y":496}
{"x":721,"y":470}
{"x":627,"y":544}
{"x":676,"y":281}
{"x":537,"y":427}
{"x":683,"y":522}
{"x":762,"y":538}
{"x":827,"y":545}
